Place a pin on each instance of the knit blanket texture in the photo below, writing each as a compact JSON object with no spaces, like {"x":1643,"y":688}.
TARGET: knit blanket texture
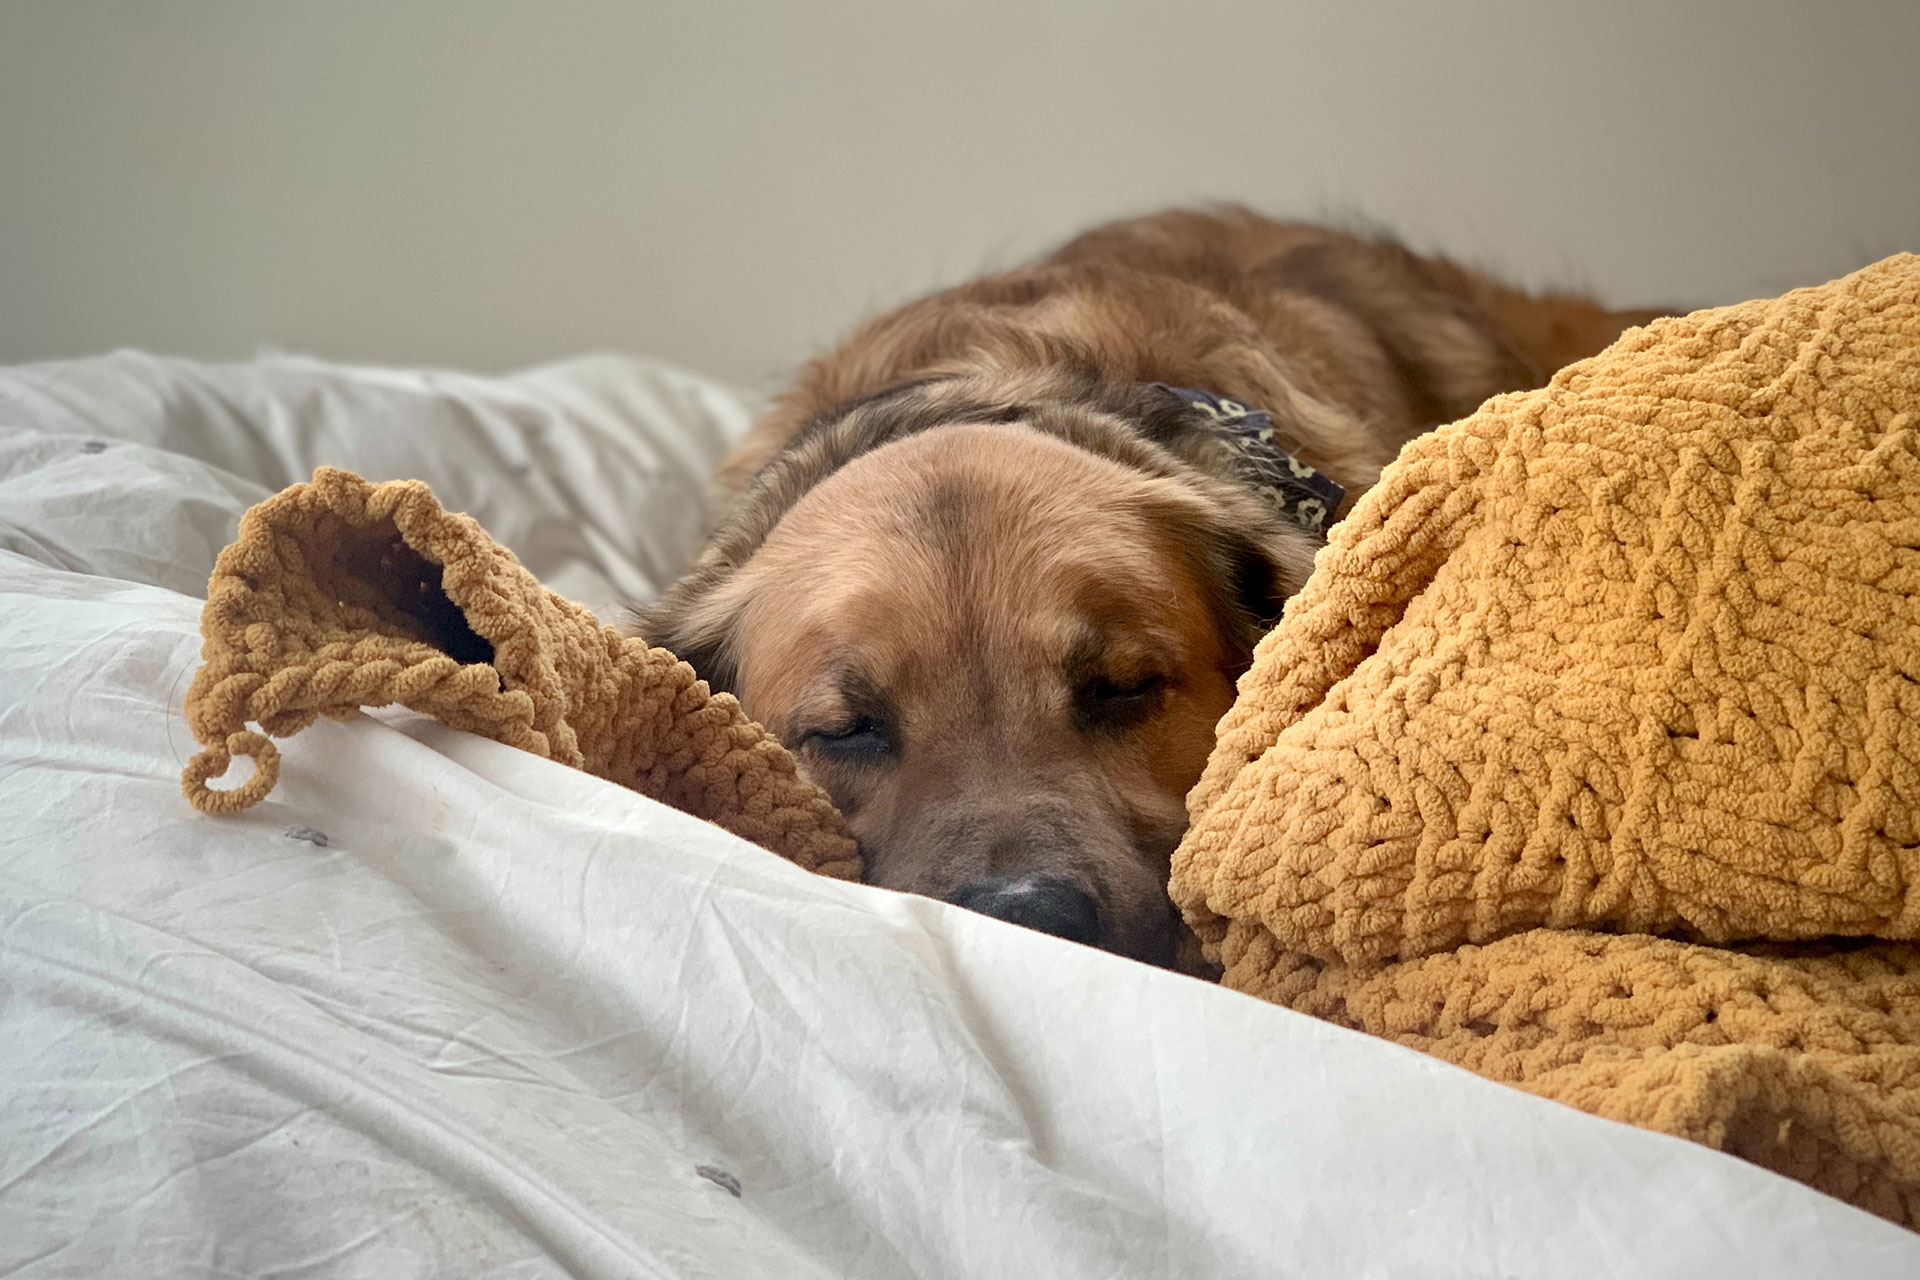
{"x":1589,"y":756}
{"x":340,"y":594}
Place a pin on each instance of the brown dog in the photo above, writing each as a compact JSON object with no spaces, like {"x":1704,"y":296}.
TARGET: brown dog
{"x":992,"y":568}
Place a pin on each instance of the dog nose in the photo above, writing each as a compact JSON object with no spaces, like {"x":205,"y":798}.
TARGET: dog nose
{"x":1038,"y":902}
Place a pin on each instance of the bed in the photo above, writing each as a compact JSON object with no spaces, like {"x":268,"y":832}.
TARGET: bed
{"x":438,"y":1007}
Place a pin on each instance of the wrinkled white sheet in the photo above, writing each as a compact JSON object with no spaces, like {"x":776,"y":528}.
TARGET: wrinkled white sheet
{"x":441,"y":1008}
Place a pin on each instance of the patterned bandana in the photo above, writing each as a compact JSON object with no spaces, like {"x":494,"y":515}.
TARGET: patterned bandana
{"x":1305,"y":496}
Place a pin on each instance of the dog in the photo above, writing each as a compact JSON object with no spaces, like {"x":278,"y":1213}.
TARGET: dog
{"x":992,"y":568}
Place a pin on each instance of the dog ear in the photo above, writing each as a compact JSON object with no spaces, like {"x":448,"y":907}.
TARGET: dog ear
{"x":1247,"y":557}
{"x":1260,"y":571}
{"x":1256,"y":583}
{"x":697,"y":621}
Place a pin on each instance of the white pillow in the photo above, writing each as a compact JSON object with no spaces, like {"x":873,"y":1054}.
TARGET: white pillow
{"x":136,"y":466}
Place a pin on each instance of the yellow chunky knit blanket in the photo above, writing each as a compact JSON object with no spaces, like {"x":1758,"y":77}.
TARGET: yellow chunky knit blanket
{"x":1589,"y":757}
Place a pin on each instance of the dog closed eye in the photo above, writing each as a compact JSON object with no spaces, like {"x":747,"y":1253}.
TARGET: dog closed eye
{"x":863,"y":739}
{"x":1106,"y":702}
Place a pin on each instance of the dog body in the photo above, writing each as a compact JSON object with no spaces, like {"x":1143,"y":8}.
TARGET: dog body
{"x":992,"y":568}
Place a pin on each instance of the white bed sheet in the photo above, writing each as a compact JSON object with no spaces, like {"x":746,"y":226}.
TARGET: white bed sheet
{"x":438,"y":1007}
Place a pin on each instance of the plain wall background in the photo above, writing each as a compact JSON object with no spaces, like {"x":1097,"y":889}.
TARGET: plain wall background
{"x":487,"y":184}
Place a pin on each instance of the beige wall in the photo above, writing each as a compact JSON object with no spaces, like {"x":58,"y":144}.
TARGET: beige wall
{"x":489,"y":184}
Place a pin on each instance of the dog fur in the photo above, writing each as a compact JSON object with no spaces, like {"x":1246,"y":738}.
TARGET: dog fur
{"x":994,"y":587}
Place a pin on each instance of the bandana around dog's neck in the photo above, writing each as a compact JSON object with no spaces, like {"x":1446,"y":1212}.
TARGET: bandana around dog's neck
{"x":1304,"y":495}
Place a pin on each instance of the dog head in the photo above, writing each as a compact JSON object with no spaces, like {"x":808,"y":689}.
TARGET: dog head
{"x":998,"y":625}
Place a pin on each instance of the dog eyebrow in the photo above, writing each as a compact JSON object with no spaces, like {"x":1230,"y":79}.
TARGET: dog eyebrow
{"x":1083,"y":656}
{"x":1095,"y":650}
{"x":845,"y":694}
{"x":862,"y":696}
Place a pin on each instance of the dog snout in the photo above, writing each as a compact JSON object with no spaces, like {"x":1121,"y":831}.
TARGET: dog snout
{"x":1044,"y":903}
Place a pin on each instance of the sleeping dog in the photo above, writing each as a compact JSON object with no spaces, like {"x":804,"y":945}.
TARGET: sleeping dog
{"x":992,"y":567}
